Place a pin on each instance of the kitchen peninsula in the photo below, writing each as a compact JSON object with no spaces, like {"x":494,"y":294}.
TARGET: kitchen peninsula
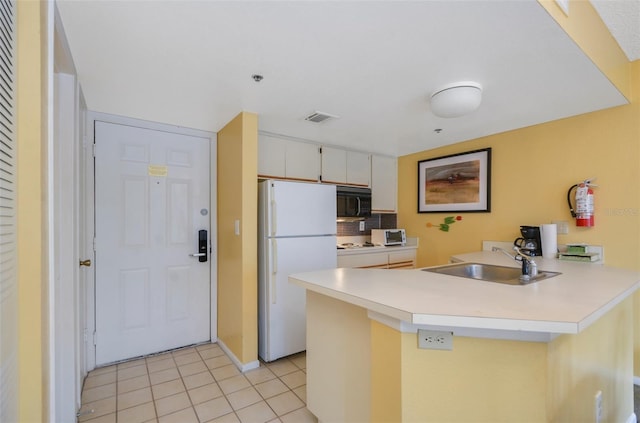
{"x":537,"y":353}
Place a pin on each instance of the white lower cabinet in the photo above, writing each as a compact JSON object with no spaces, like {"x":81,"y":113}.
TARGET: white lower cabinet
{"x":403,"y":259}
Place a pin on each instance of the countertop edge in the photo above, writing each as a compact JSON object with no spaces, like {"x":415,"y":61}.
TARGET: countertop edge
{"x":351,"y":299}
{"x":311,"y":282}
{"x":546,"y":327}
{"x":607,"y":307}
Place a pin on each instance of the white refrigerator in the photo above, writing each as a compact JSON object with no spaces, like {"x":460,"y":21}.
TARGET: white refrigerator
{"x":296,"y":233}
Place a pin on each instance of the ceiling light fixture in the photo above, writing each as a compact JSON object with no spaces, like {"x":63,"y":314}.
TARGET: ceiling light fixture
{"x":457,"y":99}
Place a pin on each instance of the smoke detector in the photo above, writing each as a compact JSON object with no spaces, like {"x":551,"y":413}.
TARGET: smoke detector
{"x":318,"y":117}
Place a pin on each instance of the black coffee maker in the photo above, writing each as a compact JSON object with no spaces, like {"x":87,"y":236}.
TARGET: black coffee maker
{"x":530,"y":243}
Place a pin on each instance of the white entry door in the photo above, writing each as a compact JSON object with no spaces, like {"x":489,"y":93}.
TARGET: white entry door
{"x":152,"y":200}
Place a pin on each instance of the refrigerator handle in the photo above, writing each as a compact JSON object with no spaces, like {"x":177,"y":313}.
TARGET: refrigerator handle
{"x":274,"y":269}
{"x":274,"y":220}
{"x":273,"y":206}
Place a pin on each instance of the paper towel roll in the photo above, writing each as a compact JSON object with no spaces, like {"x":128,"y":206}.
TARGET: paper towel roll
{"x":549,"y":239}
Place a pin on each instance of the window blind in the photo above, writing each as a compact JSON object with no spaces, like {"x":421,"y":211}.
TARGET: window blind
{"x":8,"y":240}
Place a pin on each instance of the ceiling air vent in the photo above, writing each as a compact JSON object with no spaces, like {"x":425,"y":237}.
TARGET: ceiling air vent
{"x":318,"y":117}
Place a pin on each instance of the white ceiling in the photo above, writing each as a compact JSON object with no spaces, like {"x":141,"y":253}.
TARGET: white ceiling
{"x":373,"y":63}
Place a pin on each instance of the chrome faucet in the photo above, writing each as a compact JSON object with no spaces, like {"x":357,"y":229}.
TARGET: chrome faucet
{"x":529,"y":266}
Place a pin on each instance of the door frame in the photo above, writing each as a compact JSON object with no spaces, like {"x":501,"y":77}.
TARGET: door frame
{"x":89,"y":230}
{"x":66,"y":284}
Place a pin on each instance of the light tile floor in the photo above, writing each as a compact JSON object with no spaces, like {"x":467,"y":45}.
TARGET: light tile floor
{"x":195,"y":385}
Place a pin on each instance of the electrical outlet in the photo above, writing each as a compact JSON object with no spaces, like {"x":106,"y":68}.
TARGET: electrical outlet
{"x":362,"y":226}
{"x":563,"y":226}
{"x":597,"y":402}
{"x":435,"y":340}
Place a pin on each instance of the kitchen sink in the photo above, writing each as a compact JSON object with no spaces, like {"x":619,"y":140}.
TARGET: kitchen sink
{"x":489,"y":273}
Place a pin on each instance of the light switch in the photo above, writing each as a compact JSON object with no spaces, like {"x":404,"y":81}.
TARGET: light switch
{"x":237,"y":226}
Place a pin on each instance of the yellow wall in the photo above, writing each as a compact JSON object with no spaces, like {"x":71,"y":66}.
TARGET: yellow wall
{"x":532,"y":168}
{"x":386,"y":373}
{"x":488,"y":380}
{"x":598,"y":359}
{"x":586,"y":28}
{"x":237,"y":255}
{"x":480,"y":380}
{"x":31,"y":130}
{"x":339,"y":363}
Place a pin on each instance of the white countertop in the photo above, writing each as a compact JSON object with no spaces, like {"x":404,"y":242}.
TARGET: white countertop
{"x":567,"y":303}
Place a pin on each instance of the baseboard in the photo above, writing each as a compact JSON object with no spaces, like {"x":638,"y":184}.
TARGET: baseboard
{"x":243,"y":367}
{"x":632,"y":418}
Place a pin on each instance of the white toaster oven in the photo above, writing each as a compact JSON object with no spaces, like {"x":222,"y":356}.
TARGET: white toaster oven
{"x":388,"y":237}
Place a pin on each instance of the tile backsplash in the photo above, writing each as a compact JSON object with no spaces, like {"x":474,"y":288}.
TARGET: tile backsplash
{"x":376,"y":221}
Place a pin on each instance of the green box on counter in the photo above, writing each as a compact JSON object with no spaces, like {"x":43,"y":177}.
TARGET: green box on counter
{"x":577,"y":248}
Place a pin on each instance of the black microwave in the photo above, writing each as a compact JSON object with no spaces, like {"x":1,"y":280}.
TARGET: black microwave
{"x":353,"y":201}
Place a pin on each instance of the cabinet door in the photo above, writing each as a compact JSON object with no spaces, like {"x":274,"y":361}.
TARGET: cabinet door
{"x":358,"y":168}
{"x":334,"y":165}
{"x":271,"y":157}
{"x":302,"y":161}
{"x":345,"y":167}
{"x":384,"y":184}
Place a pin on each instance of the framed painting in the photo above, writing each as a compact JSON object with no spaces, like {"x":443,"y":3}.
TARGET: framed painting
{"x":455,"y":183}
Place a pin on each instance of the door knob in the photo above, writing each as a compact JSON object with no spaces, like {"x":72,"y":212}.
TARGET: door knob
{"x":85,"y":262}
{"x":202,"y":246}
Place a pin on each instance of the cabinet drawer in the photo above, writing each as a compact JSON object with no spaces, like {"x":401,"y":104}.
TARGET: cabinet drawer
{"x":410,"y":264}
{"x":405,"y":255}
{"x":370,"y":260}
{"x":405,"y":259}
{"x":402,"y":259}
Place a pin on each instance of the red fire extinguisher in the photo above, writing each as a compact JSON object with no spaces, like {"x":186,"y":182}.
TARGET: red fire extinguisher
{"x":583,"y":212}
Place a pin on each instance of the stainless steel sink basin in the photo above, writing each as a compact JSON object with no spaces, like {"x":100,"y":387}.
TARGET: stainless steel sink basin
{"x":489,"y":272}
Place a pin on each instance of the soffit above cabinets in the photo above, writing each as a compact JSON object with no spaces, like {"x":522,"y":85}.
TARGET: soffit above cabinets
{"x":374,"y":64}
{"x":622,"y":17}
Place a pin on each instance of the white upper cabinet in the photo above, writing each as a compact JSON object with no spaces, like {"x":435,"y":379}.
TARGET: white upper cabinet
{"x":284,"y":158}
{"x":288,"y":159}
{"x":384,"y":184}
{"x":345,"y":167}
{"x":271,"y":157}
{"x":303,"y":161}
{"x":358,"y":168}
{"x":334,"y":165}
